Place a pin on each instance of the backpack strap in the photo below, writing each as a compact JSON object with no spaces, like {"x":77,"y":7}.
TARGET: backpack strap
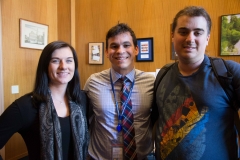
{"x":160,"y":75}
{"x":223,"y":75}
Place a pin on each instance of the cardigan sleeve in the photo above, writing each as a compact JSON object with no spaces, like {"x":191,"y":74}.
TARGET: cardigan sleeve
{"x":10,"y":123}
{"x":21,"y":116}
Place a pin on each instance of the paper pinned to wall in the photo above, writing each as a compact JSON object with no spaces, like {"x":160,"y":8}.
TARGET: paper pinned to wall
{"x":154,"y":73}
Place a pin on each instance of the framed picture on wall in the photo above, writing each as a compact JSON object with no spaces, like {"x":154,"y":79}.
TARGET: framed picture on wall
{"x":96,"y":55}
{"x":145,"y":53}
{"x":230,"y":35}
{"x":33,"y":35}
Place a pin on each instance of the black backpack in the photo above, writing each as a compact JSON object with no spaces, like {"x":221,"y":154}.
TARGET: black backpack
{"x":224,"y":77}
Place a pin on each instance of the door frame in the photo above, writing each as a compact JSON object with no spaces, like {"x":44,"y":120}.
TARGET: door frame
{"x":2,"y":151}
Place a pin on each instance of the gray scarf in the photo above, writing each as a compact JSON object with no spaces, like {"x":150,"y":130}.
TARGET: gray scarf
{"x":50,"y":131}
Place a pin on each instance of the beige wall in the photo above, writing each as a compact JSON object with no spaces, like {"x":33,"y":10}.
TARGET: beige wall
{"x":148,"y":18}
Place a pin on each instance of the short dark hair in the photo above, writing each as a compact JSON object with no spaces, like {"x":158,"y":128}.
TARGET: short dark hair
{"x":193,"y":11}
{"x":40,"y":90}
{"x":118,"y":29}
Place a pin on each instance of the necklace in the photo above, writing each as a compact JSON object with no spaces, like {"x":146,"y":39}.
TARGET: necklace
{"x":61,"y":102}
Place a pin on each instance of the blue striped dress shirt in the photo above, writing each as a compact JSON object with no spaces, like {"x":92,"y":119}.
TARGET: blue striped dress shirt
{"x":104,"y":119}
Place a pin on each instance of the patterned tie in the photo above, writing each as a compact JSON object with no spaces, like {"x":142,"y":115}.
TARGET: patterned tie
{"x":127,"y":124}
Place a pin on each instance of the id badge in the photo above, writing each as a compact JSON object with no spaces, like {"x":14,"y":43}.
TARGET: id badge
{"x":117,"y":148}
{"x":117,"y":153}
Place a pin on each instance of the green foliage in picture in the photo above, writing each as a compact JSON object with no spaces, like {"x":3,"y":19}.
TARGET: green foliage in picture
{"x":230,"y":35}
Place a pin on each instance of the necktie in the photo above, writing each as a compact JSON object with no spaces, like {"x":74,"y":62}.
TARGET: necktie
{"x":127,"y":124}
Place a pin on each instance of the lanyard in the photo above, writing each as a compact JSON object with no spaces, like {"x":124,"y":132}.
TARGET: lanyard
{"x":119,"y":126}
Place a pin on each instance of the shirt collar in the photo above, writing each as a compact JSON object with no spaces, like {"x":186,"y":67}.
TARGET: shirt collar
{"x":116,"y":75}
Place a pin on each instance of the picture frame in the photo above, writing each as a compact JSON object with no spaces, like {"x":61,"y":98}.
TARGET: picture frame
{"x":145,"y":53}
{"x":96,"y":50}
{"x":230,"y":35}
{"x":33,"y":35}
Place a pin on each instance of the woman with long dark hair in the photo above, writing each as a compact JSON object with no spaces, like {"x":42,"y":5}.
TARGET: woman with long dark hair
{"x":51,"y":119}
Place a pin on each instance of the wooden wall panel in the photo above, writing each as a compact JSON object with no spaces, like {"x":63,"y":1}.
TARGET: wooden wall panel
{"x":19,"y":64}
{"x":64,"y":20}
{"x":92,"y":21}
{"x":148,"y":19}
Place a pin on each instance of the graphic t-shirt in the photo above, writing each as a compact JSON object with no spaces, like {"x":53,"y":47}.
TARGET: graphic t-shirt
{"x":196,"y":121}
